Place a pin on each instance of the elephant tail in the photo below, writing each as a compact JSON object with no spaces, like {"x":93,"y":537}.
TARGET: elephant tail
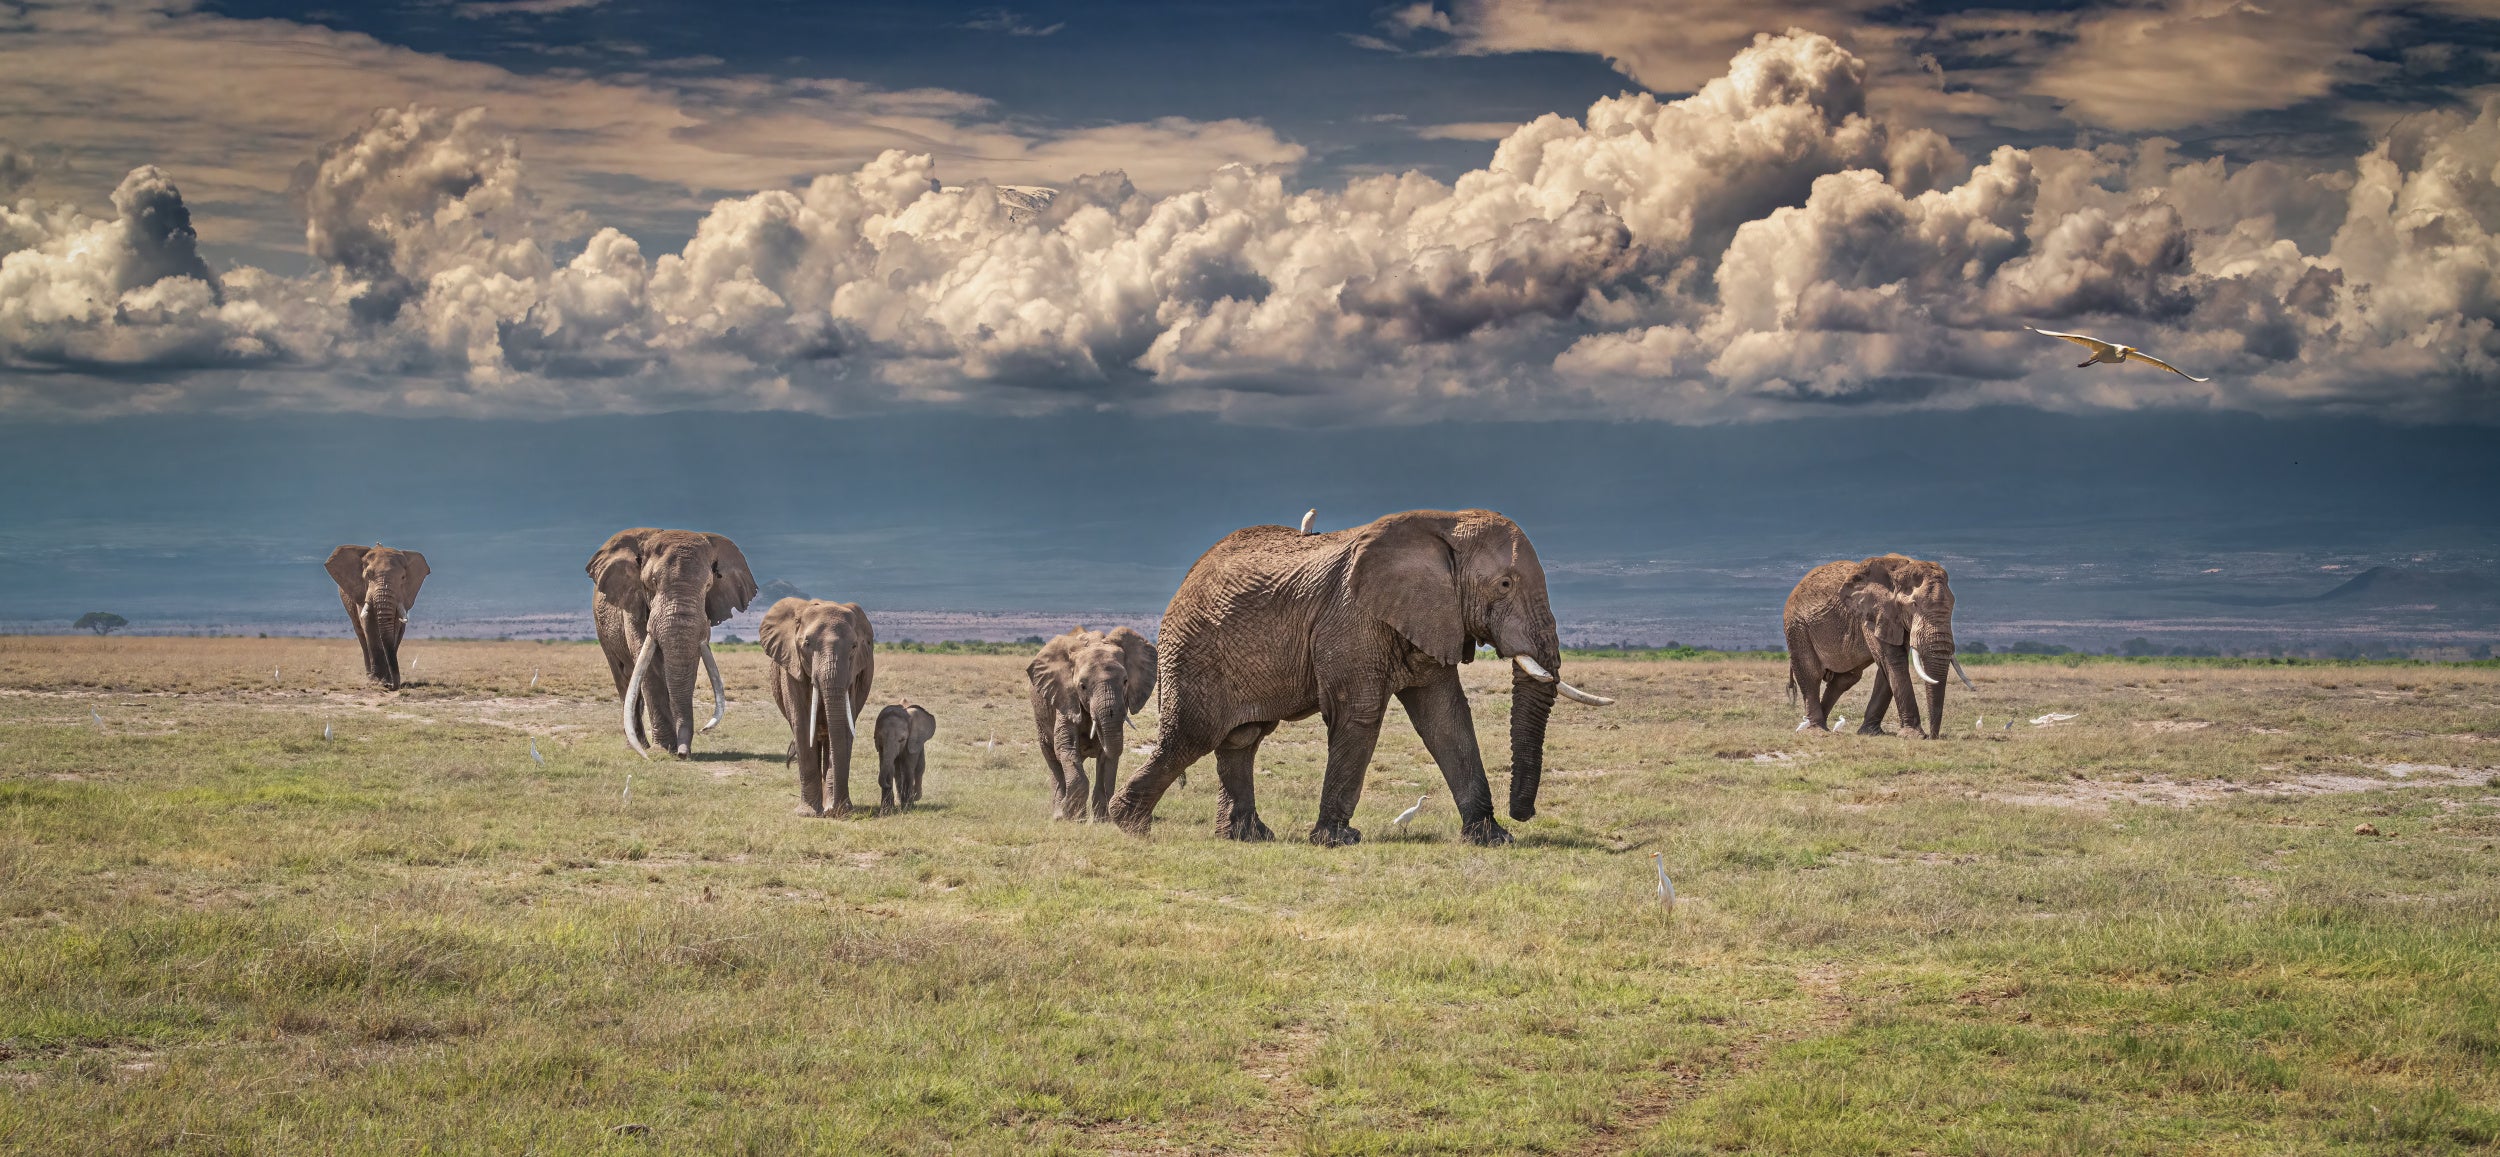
{"x":1792,"y":684}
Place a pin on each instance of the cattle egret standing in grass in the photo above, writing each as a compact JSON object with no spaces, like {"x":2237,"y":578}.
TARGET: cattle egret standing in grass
{"x":1307,"y":516}
{"x":533,"y":678}
{"x":1409,"y":814}
{"x":2112,"y":353}
{"x":99,"y":717}
{"x":1666,"y":887}
{"x":1837,"y":720}
{"x":325,"y":732}
{"x":540,"y":760}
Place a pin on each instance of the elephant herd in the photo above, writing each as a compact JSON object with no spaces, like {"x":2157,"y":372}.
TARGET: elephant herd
{"x":1271,"y":624}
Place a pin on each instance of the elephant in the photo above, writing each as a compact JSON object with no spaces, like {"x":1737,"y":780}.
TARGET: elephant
{"x":658,"y":595}
{"x":1893,"y":612}
{"x":1085,"y":686}
{"x":1273,"y":624}
{"x":378,"y":586}
{"x":821,"y":651}
{"x":902,"y":731}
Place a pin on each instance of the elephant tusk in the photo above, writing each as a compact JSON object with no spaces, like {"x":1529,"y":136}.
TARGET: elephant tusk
{"x":849,"y":727}
{"x":1579,"y":696}
{"x":1921,"y":671}
{"x":1959,"y":673}
{"x":1535,"y":670}
{"x":633,"y":692}
{"x":720,"y":698}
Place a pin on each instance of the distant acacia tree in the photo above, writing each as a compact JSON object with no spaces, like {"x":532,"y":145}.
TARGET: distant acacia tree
{"x":101,"y":622}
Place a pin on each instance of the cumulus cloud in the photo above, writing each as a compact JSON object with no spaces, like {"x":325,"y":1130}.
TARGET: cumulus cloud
{"x":234,"y":105}
{"x":1766,"y":246}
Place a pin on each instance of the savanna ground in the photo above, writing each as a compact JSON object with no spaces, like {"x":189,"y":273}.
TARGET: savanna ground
{"x":2150,"y":928}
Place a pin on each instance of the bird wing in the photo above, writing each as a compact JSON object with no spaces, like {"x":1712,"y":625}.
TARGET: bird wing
{"x":2094,"y":344}
{"x":2141,"y":356}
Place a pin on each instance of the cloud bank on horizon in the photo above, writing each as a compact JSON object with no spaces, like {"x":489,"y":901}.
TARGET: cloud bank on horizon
{"x":1785,"y":240}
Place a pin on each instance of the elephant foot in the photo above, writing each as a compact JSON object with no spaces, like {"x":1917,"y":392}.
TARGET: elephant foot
{"x":840,"y":811}
{"x":1247,"y":828}
{"x":1339,"y":836}
{"x":886,"y":809}
{"x":1870,"y":727}
{"x":1484,"y":833}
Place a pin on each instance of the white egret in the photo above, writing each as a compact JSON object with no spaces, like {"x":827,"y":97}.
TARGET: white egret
{"x":325,"y":732}
{"x":540,"y":760}
{"x":1409,"y":814}
{"x":1307,"y":516}
{"x":2111,"y":353}
{"x":1666,"y":887}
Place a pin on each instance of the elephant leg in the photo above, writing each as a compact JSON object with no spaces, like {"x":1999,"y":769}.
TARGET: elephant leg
{"x":1835,"y":685}
{"x":889,"y":783}
{"x":1805,"y":675}
{"x":1058,"y":779}
{"x":917,"y":765}
{"x":1133,"y":806}
{"x":1236,"y":771}
{"x":1880,"y":705}
{"x":1448,"y":727}
{"x":1353,"y":731}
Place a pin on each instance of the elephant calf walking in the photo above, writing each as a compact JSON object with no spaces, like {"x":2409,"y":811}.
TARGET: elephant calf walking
{"x":1893,"y":613}
{"x":902,"y":731}
{"x":1085,"y":686}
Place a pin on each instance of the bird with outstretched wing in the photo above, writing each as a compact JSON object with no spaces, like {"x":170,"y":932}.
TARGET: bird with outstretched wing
{"x":2112,"y":353}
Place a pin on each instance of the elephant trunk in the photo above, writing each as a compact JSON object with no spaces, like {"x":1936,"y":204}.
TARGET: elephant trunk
{"x":383,"y":627}
{"x":1110,"y":731}
{"x":683,"y":633}
{"x":1531,"y":703}
{"x":1935,"y":648}
{"x":832,"y":677}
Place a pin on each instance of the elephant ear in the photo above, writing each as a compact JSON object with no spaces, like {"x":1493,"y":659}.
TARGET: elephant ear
{"x":347,"y":568}
{"x":780,"y":635}
{"x":1872,"y":601}
{"x":923,"y":724}
{"x":413,"y":565}
{"x":1138,"y":657}
{"x":733,"y":586}
{"x":1052,"y":670}
{"x":1406,"y":574}
{"x":616,"y":569}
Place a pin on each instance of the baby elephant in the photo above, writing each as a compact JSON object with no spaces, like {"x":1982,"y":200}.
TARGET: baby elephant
{"x":903,"y":731}
{"x":1085,"y":686}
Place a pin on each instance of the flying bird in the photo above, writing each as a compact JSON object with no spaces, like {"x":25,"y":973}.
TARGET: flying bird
{"x":1400,"y":822}
{"x":2113,"y":354}
{"x":1666,"y":887}
{"x":1307,"y":516}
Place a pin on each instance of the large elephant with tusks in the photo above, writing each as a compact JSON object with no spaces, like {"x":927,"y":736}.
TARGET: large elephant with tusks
{"x":659,"y":594}
{"x":1274,"y":624}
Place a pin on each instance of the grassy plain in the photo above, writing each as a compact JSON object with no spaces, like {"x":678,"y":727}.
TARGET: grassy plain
{"x":225,"y":933}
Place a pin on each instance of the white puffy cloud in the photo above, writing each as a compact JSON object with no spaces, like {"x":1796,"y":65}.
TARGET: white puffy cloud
{"x":1764,"y":247}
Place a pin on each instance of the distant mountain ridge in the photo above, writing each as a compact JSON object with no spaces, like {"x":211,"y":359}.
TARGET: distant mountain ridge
{"x":2387,"y":585}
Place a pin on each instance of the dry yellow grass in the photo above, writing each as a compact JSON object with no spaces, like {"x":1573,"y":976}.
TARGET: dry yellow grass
{"x":224,"y":933}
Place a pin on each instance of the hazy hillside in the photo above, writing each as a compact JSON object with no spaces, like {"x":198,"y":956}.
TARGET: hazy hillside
{"x":2088,"y":530}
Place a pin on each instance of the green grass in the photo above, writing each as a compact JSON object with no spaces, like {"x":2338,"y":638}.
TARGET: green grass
{"x":221,"y":933}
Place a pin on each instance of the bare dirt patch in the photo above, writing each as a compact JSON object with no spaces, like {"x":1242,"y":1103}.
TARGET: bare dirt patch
{"x":2099,"y":794}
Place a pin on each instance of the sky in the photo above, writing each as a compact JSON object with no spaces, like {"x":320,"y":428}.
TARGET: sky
{"x":1289,"y":213}
{"x":1290,"y":252}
